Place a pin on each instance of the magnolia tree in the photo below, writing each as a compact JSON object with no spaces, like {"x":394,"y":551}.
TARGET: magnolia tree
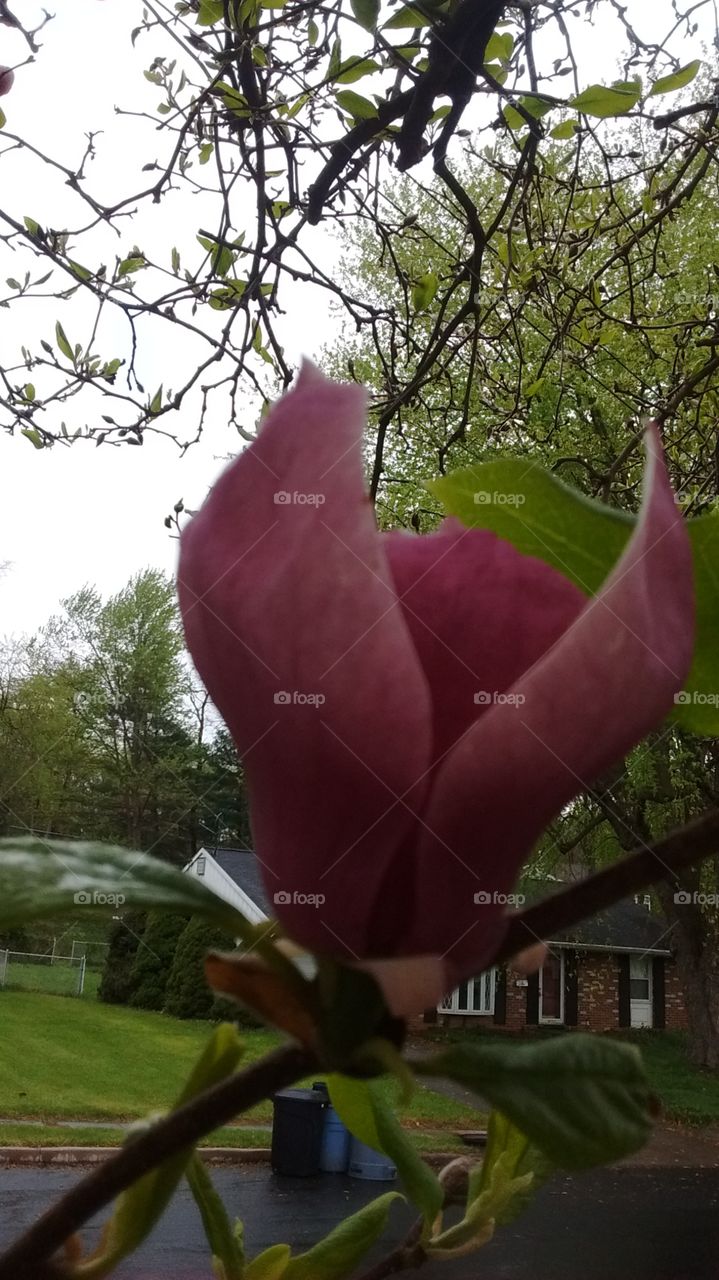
{"x":412,"y":710}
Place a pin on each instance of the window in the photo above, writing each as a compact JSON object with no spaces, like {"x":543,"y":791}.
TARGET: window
{"x":638,"y":978}
{"x":200,"y":865}
{"x":476,"y":996}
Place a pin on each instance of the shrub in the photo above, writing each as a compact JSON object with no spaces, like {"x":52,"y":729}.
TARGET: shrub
{"x":153,"y":960}
{"x":187,"y":992}
{"x":124,"y":940}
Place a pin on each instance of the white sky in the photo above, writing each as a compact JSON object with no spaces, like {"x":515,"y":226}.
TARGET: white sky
{"x":84,"y":514}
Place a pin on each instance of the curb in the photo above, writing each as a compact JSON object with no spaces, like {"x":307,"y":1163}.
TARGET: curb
{"x":69,"y":1157}
{"x":64,"y":1157}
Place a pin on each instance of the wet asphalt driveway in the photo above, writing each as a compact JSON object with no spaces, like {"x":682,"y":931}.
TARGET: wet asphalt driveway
{"x":616,"y":1224}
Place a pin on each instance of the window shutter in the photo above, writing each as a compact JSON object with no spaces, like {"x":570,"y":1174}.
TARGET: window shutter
{"x":625,"y":1009}
{"x":533,"y":1000}
{"x":659,"y":1017}
{"x":500,"y":997}
{"x":571,"y":989}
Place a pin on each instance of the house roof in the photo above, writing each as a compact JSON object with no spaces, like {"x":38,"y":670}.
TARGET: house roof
{"x":242,"y":866}
{"x":625,"y":926}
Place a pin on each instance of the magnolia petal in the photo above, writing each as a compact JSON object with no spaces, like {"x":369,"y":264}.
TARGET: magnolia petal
{"x":409,"y":985}
{"x":479,"y":613}
{"x":291,"y":618}
{"x":606,"y":683}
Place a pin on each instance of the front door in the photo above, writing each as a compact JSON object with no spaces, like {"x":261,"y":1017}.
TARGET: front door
{"x":551,"y":989}
{"x":640,"y":991}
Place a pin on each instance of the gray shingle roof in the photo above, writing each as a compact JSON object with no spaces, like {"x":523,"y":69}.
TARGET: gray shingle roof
{"x":624,"y":925}
{"x":242,"y":866}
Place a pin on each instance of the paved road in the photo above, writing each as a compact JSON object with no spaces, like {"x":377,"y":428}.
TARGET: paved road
{"x":618,"y":1224}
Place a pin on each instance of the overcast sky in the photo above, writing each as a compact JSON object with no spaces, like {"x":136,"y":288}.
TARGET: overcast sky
{"x":83,"y":514}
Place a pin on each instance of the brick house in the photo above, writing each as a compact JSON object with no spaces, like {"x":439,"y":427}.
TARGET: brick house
{"x":615,"y":970}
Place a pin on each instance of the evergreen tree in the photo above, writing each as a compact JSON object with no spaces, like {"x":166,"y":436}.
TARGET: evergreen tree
{"x":153,"y":959}
{"x":117,"y":979}
{"x":187,"y":992}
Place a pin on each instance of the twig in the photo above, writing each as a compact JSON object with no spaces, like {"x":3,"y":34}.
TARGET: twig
{"x":171,"y":1135}
{"x":407,"y":1254}
{"x":660,"y":861}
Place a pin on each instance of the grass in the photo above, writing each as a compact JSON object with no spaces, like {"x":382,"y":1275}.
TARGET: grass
{"x":67,"y":1059}
{"x":687,"y":1094}
{"x":19,"y":1135}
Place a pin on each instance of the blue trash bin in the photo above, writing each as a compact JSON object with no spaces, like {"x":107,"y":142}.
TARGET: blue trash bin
{"x":335,"y":1149}
{"x":370,"y":1165}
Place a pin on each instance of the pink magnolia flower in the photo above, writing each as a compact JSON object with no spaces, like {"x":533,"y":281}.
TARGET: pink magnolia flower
{"x":7,"y":78}
{"x":412,"y":711}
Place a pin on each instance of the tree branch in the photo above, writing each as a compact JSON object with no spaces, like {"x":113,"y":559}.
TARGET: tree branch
{"x":648,"y":865}
{"x":176,"y":1132}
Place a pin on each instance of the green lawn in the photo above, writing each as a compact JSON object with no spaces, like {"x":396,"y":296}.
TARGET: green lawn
{"x":65,"y":1058}
{"x":686,"y":1093}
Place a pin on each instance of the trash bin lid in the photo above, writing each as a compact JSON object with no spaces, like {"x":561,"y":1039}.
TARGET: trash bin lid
{"x":301,"y":1095}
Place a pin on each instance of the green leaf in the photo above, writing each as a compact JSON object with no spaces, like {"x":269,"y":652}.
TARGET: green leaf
{"x":138,"y":1209}
{"x":359,"y":108}
{"x":222,"y":299}
{"x":270,"y":1265}
{"x":355,"y":68}
{"x":505,"y":1140}
{"x":603,"y":100}
{"x":37,"y":442}
{"x":62,"y":342}
{"x":156,"y":402}
{"x":566,"y":129}
{"x":335,"y":61}
{"x":222,"y":258}
{"x":340,"y":1252}
{"x":32,"y":226}
{"x":41,"y":878}
{"x":78,"y":270}
{"x":206,"y":151}
{"x":581,"y":1100}
{"x":366,"y":12}
{"x":111,"y":367}
{"x":29,"y":391}
{"x":221,"y":1236}
{"x":130,"y":265}
{"x":370,"y":1118}
{"x":534,"y":388}
{"x":313,"y":33}
{"x":499,"y":47}
{"x":406,"y":17}
{"x":175,"y":259}
{"x":424,"y":290}
{"x":583,"y":539}
{"x":677,"y":80}
{"x":534,"y":107}
{"x":210,"y":12}
{"x":3,"y":119}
